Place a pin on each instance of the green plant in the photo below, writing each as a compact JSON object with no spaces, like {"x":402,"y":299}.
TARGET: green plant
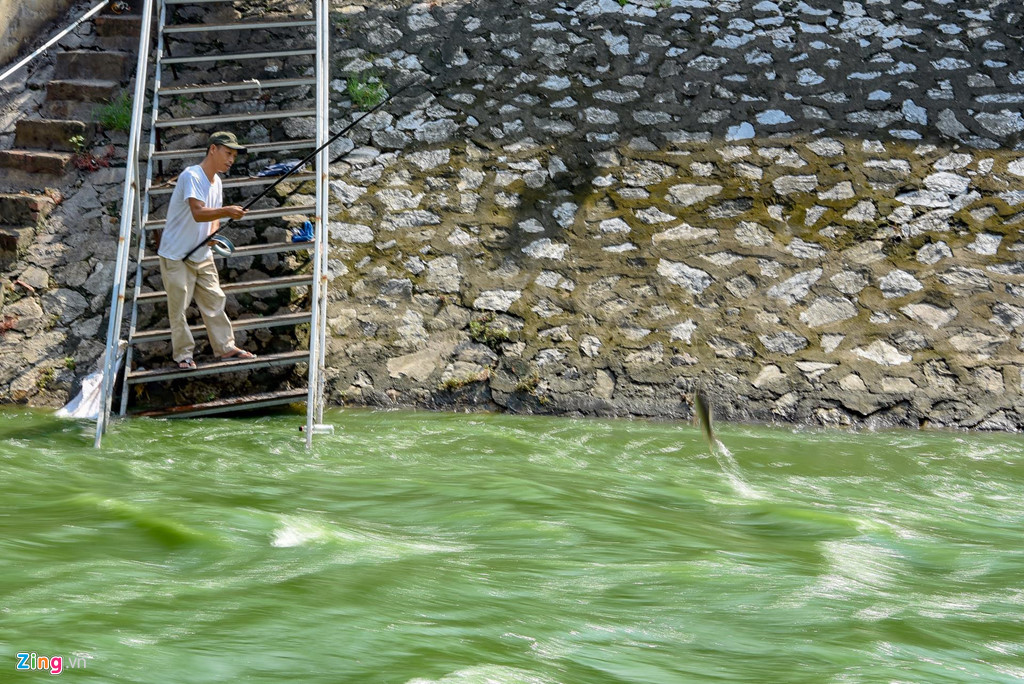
{"x":623,"y":3}
{"x":528,"y":385}
{"x":366,"y":90}
{"x":458,"y":382}
{"x":69,"y":363}
{"x":77,"y":143}
{"x":46,"y":378}
{"x":485,"y":331}
{"x":116,"y":115}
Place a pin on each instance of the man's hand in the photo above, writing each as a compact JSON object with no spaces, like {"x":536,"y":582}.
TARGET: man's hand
{"x":203,"y":214}
{"x":234,"y":211}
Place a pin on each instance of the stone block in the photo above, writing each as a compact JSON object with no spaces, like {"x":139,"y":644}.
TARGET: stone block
{"x":50,"y":134}
{"x":82,"y":90}
{"x":14,"y":241}
{"x":20,"y":208}
{"x":33,"y":161}
{"x":89,"y":64}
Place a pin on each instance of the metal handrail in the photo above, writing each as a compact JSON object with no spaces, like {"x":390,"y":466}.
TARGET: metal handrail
{"x":143,"y":192}
{"x":85,"y":17}
{"x":318,"y":292}
{"x":125,"y":232}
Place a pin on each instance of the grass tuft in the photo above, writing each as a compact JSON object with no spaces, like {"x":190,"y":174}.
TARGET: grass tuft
{"x":116,"y":115}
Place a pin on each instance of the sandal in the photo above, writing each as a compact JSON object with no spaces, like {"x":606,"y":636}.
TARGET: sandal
{"x":187,"y":364}
{"x":237,"y":354}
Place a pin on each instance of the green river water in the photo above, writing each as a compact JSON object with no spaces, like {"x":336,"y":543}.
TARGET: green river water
{"x":422,"y":548}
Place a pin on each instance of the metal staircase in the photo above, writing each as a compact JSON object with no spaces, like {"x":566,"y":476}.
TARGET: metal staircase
{"x":169,"y":78}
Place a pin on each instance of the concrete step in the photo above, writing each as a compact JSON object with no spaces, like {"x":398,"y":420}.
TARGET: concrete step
{"x":51,"y":134}
{"x":36,"y":161}
{"x":14,"y":240}
{"x":122,"y":25}
{"x":119,"y":32}
{"x":87,"y":64}
{"x":82,"y":90}
{"x":24,"y":208}
{"x":124,"y":44}
{"x":71,"y":110}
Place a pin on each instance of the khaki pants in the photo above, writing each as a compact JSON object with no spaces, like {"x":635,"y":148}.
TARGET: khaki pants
{"x":182,"y":279}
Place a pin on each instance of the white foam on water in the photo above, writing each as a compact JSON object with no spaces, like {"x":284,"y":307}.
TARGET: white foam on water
{"x":731,"y":469}
{"x":486,"y":674}
{"x":297,"y":530}
{"x":855,"y":569}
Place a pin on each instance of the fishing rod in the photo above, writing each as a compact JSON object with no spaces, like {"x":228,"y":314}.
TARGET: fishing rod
{"x":302,"y":163}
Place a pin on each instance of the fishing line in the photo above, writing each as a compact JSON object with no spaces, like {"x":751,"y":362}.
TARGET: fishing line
{"x":308,"y":157}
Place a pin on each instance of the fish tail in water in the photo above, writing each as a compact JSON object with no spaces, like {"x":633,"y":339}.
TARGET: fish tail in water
{"x":702,"y":410}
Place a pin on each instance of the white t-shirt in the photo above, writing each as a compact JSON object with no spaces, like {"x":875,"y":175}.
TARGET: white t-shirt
{"x":182,"y":232}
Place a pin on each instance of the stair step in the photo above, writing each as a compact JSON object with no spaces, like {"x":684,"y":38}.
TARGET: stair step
{"x":250,"y":150}
{"x":252,"y":84}
{"x":238,"y":26}
{"x":195,"y":2}
{"x":14,"y":240}
{"x":246,"y":251}
{"x":70,"y":109}
{"x":237,"y":56}
{"x":254,"y":215}
{"x":24,"y":208}
{"x":217,"y":367}
{"x":36,"y":161}
{"x":50,"y":134}
{"x":249,"y":181}
{"x":89,"y":64}
{"x":118,"y":25}
{"x":218,"y":119}
{"x":302,"y":280}
{"x":82,"y":90}
{"x":229,"y":405}
{"x":275,"y":321}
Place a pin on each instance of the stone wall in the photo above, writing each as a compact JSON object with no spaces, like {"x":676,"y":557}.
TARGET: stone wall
{"x":811,"y":211}
{"x":595,"y":208}
{"x":22,"y":20}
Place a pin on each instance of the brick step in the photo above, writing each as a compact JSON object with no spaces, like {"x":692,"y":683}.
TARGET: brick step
{"x":24,"y":208}
{"x":50,"y":134}
{"x":82,"y":90}
{"x":118,"y":25}
{"x":14,"y":241}
{"x":36,"y":161}
{"x":91,"y":65}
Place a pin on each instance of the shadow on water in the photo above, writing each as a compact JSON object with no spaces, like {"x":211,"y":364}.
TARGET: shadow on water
{"x":20,"y":424}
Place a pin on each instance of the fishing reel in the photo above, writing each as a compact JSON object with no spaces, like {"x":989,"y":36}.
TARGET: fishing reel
{"x":120,"y":7}
{"x":221,"y":246}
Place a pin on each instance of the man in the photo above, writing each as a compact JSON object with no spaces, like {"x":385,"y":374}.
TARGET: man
{"x":194,"y":213}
